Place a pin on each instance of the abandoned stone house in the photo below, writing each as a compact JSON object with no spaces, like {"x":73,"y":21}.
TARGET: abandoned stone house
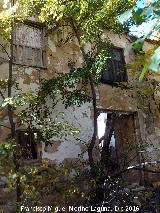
{"x":37,"y":56}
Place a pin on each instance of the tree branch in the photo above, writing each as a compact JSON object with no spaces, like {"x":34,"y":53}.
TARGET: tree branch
{"x":2,"y":95}
{"x":5,"y":126}
{"x":10,"y":109}
{"x":138,"y":167}
{"x":93,"y":140}
{"x":5,"y":51}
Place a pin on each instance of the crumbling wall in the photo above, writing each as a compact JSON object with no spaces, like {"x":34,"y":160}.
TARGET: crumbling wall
{"x":72,"y":146}
{"x":134,"y":99}
{"x":28,"y":78}
{"x":59,"y":57}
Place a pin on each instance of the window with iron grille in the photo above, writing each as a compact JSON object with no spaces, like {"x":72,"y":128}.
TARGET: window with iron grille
{"x":30,"y":144}
{"x":115,"y":71}
{"x":29,"y":45}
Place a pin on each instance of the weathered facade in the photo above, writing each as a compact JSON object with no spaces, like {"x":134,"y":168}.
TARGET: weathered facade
{"x":37,"y":56}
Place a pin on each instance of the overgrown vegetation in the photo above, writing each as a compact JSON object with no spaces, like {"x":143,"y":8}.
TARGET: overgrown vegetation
{"x":88,"y":21}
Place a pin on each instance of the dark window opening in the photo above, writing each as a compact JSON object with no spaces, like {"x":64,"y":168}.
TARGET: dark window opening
{"x":29,"y":142}
{"x":115,"y":71}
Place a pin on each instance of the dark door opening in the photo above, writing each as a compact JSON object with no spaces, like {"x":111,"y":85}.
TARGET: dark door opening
{"x":117,"y":140}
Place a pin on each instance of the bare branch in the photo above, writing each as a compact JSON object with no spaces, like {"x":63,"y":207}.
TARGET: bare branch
{"x":4,"y":59}
{"x":2,"y":95}
{"x":5,"y":50}
{"x":139,"y":167}
{"x":5,"y":126}
{"x":147,"y":170}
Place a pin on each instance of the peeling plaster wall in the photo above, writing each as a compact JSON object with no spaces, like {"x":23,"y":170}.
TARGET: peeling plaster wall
{"x":28,"y":78}
{"x":58,"y":59}
{"x":108,"y":97}
{"x":73,"y":145}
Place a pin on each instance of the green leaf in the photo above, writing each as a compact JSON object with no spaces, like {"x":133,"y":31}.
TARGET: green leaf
{"x":144,"y":70}
{"x":137,"y":17}
{"x":138,"y":44}
{"x":155,"y":61}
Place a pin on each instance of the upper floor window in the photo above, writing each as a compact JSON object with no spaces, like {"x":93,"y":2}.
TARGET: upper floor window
{"x":115,"y":71}
{"x":29,"y":45}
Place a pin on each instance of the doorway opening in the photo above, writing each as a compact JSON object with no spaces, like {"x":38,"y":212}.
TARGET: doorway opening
{"x":117,"y":139}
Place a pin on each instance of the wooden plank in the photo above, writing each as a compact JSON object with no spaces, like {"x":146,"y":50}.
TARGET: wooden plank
{"x":29,"y":55}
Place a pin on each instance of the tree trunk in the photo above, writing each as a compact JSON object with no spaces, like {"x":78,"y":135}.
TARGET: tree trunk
{"x":105,"y":154}
{"x":94,"y":101}
{"x":11,"y":116}
{"x":94,"y":136}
